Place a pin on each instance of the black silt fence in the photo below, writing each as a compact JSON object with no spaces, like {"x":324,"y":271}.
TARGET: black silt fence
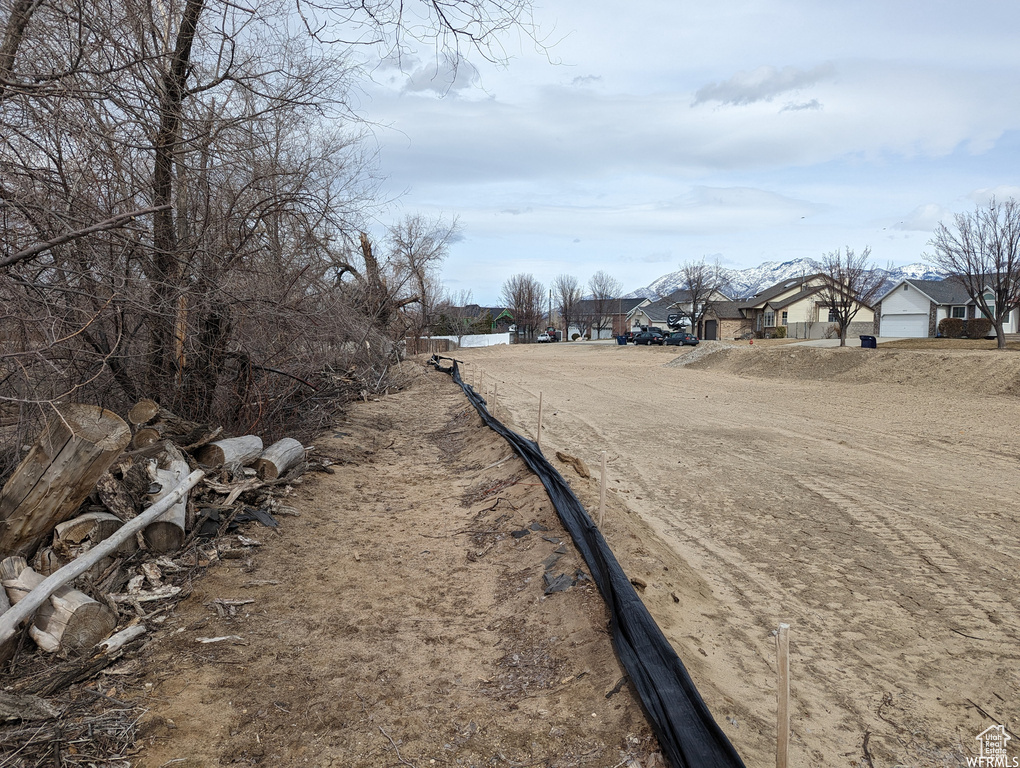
{"x":687,"y":732}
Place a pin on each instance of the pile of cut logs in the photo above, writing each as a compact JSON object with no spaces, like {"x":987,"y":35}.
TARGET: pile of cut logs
{"x":96,"y":499}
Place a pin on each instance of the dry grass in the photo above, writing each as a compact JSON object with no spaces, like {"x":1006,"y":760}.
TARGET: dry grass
{"x":1012,"y":343}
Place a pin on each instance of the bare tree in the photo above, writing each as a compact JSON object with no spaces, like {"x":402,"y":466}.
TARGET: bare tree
{"x":232,"y":135}
{"x":982,"y":253}
{"x":523,"y":295}
{"x":702,"y":282}
{"x":567,"y":297}
{"x":418,"y":246}
{"x":851,"y":281}
{"x":605,"y":291}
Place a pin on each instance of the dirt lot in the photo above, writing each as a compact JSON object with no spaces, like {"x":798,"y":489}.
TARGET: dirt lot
{"x":400,"y":619}
{"x":867,"y":497}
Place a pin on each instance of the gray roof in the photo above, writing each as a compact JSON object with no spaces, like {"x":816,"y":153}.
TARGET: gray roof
{"x":613,"y":306}
{"x":727,"y":310}
{"x":775,"y":290}
{"x":947,"y":291}
{"x":659,"y":311}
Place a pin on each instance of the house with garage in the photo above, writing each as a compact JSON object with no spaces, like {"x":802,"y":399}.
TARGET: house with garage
{"x":603,"y":318}
{"x":913,"y":308}
{"x":798,"y":305}
{"x":671,"y":313}
{"x":726,"y":320}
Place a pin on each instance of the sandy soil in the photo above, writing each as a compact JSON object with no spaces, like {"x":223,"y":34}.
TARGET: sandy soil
{"x":401,"y":618}
{"x":867,"y":497}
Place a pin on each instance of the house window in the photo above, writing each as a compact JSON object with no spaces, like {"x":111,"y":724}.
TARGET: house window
{"x":833,"y":317}
{"x":770,"y":318}
{"x":785,"y":315}
{"x":960,"y":312}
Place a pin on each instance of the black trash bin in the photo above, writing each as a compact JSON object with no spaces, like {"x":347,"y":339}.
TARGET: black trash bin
{"x":869,"y":342}
{"x":621,"y":340}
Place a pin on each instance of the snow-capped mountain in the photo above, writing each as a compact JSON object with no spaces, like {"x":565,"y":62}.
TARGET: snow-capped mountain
{"x":747,"y":282}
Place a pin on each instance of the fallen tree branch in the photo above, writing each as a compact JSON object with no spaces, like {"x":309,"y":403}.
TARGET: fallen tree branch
{"x":27,"y":606}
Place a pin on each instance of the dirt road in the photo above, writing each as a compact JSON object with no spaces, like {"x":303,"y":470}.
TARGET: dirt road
{"x":401,"y":618}
{"x":869,"y":501}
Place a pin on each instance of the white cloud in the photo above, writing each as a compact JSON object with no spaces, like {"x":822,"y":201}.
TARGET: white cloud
{"x":1001,"y":192}
{"x":924,"y":218}
{"x":763,"y":84}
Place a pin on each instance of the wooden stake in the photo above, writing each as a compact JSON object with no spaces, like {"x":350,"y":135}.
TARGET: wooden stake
{"x":538,"y":438}
{"x":783,"y":709}
{"x":602,"y":493}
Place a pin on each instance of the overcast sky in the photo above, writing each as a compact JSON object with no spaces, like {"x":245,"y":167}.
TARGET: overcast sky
{"x":743,"y":130}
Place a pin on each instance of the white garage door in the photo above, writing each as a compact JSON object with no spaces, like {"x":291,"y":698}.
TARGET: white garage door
{"x":909,"y":326}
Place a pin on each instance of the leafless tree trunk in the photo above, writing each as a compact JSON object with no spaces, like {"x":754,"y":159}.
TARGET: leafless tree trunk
{"x":702,"y":282}
{"x":605,"y":291}
{"x":567,"y":296}
{"x":851,"y":281}
{"x":523,"y":295}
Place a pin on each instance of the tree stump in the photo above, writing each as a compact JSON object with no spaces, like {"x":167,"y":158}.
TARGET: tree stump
{"x":76,"y":448}
{"x":69,"y":622}
{"x":278,"y":458}
{"x":233,"y":450}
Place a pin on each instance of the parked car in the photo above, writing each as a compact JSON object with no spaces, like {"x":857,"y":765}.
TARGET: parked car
{"x":682,"y":339}
{"x":629,"y":335}
{"x":543,"y":337}
{"x":650,"y":337}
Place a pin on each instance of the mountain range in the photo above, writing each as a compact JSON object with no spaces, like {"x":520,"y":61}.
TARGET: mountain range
{"x":748,"y":282}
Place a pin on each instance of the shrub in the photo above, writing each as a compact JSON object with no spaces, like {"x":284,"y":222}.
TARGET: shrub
{"x":979,"y":327}
{"x":780,"y":332}
{"x":951,"y":328}
{"x":575,"y":336}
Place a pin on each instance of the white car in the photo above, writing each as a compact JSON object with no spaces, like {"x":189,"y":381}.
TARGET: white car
{"x":543,"y":337}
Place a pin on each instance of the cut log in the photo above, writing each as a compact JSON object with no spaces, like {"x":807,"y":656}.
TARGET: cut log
{"x":10,"y":620}
{"x":143,"y":412}
{"x":46,"y":561}
{"x":145,"y":436}
{"x":233,"y":450}
{"x":70,"y":622}
{"x":278,"y":458}
{"x":76,"y":536}
{"x":158,"y":423}
{"x":116,"y":497}
{"x":166,"y":534}
{"x":91,"y":528}
{"x":76,"y":448}
{"x":6,"y":647}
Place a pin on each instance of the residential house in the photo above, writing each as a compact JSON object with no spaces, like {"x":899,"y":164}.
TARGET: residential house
{"x":472,"y":318}
{"x":614,"y":321}
{"x":669,"y":313}
{"x":726,"y":320}
{"x":913,"y":308}
{"x":798,"y":305}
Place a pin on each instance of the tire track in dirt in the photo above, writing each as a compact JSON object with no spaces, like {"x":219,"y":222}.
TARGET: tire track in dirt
{"x":877,"y":517}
